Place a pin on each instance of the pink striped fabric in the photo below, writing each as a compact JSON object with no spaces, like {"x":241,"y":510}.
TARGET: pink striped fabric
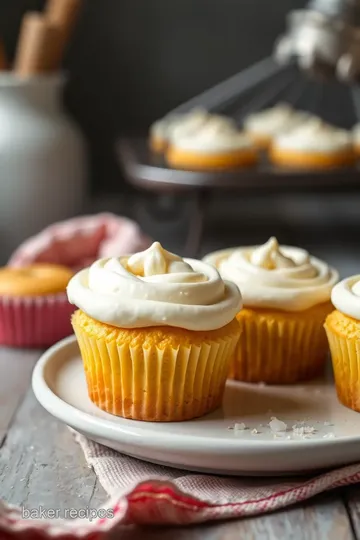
{"x":142,"y":493}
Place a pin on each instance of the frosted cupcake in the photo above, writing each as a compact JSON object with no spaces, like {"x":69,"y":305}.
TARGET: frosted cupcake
{"x":163,"y":132}
{"x":314,"y":145}
{"x":156,"y":334}
{"x":265,"y":125}
{"x":214,"y":145}
{"x":286,"y":294}
{"x":343,"y":331}
{"x":160,"y":130}
{"x":356,"y":140}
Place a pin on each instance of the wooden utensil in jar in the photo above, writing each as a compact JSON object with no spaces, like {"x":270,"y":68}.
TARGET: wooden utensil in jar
{"x":63,"y":15}
{"x":3,"y":59}
{"x":35,"y":51}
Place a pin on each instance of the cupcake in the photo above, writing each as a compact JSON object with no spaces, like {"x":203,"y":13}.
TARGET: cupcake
{"x":156,"y":333}
{"x":34,"y":309}
{"x":264,"y":125}
{"x":286,"y":294}
{"x":314,"y":145}
{"x":343,"y":331}
{"x":356,"y":140}
{"x":159,"y":132}
{"x":174,"y":126}
{"x":213,"y":146}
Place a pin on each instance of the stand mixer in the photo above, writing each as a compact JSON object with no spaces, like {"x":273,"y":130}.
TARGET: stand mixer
{"x":316,"y":58}
{"x":324,"y":39}
{"x":315,"y":66}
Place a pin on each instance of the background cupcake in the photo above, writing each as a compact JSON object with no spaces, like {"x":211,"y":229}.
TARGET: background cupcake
{"x":214,"y":145}
{"x":159,"y":132}
{"x":343,"y":331}
{"x":314,"y":144}
{"x":34,"y":309}
{"x":156,"y":334}
{"x":173,"y":126}
{"x":356,"y":140}
{"x":286,"y":297}
{"x":264,"y":126}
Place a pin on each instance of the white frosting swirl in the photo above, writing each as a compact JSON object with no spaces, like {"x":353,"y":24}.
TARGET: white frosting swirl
{"x":173,"y":126}
{"x":155,"y":288}
{"x":285,"y":278}
{"x":346,"y":296}
{"x":315,"y":136}
{"x":275,"y":120}
{"x":161,"y":127}
{"x":194,"y":122}
{"x":214,"y":136}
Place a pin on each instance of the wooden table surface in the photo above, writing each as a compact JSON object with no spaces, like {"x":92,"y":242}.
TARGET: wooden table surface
{"x":40,"y":464}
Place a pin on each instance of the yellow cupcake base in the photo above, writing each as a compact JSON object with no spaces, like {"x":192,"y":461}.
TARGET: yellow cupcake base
{"x":344,"y":340}
{"x":155,"y":374}
{"x":181,"y":159}
{"x":261,"y":141}
{"x":278,"y":347}
{"x":308,"y":160}
{"x":157,"y":144}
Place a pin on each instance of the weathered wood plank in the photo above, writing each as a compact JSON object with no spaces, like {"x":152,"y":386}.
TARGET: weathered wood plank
{"x":325,"y":518}
{"x":42,"y":465}
{"x":15,"y":373}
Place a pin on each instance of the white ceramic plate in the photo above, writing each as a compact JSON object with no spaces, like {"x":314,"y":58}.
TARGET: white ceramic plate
{"x":207,"y":444}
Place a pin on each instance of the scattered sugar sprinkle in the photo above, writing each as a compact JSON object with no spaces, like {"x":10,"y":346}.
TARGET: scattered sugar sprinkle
{"x":329,"y":436}
{"x":303,"y":431}
{"x":254,"y":431}
{"x":276,"y":425}
{"x":328,"y":424}
{"x":240,"y":427}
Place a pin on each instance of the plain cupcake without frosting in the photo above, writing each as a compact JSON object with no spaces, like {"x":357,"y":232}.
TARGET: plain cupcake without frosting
{"x":34,"y":309}
{"x":343,"y":331}
{"x":286,"y":294}
{"x":156,"y":334}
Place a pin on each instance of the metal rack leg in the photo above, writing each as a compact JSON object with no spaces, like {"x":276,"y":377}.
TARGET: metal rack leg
{"x":196,"y":225}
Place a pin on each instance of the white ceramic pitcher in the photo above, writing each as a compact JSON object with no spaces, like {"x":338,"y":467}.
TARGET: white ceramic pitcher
{"x":42,"y":159}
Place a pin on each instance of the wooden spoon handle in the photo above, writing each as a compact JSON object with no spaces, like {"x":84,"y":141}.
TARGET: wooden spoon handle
{"x":3,"y":59}
{"x":35,"y":48}
{"x":63,"y":13}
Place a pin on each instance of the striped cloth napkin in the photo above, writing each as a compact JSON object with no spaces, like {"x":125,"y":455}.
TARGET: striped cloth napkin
{"x":146,"y":494}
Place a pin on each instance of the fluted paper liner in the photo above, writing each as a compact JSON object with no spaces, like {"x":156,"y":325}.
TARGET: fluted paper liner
{"x":345,"y":354}
{"x":38,"y":321}
{"x":153,"y":384}
{"x":279,"y":352}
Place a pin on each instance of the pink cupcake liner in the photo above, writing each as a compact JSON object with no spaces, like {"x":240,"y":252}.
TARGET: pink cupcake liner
{"x":35,"y":321}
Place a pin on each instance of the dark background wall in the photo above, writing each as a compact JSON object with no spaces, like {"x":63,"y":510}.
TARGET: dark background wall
{"x":130,"y":61}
